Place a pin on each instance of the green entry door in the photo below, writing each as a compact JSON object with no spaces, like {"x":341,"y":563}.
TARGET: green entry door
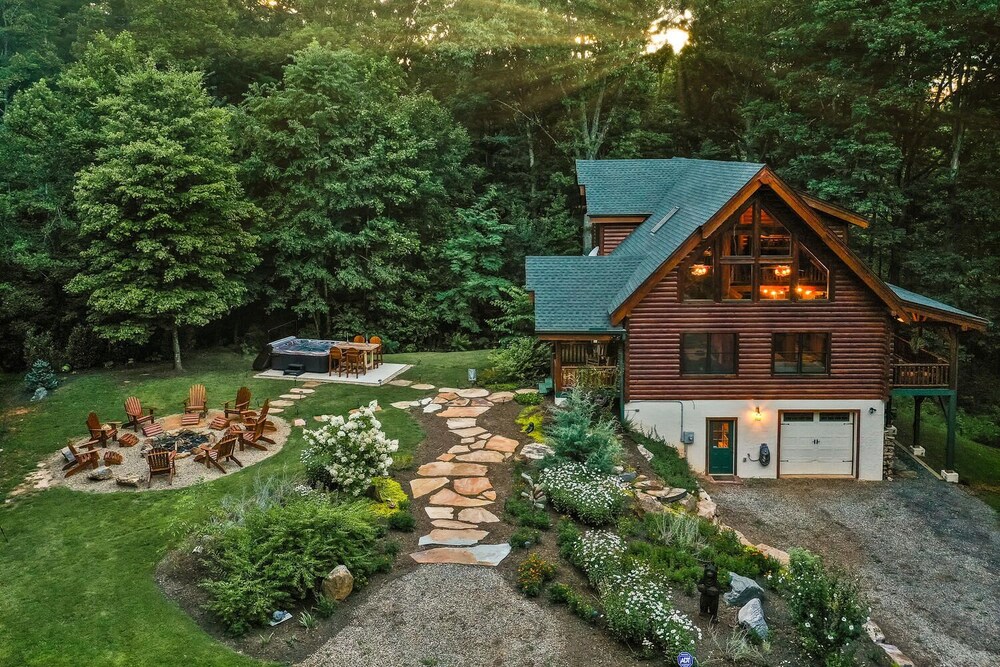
{"x":721,"y":446}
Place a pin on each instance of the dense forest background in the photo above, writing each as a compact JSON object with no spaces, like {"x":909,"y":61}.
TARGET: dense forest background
{"x":199,"y":171}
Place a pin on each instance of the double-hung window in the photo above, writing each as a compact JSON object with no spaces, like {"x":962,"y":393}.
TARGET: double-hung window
{"x":800,"y":353}
{"x":709,"y":353}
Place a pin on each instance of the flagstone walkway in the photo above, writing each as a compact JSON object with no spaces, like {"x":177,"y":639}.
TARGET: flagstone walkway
{"x":455,"y":490}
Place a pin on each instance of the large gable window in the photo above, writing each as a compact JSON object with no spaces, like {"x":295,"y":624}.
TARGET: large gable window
{"x":756,"y":258}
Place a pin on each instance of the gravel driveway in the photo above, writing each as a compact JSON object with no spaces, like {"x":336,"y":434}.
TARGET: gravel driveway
{"x":928,"y":554}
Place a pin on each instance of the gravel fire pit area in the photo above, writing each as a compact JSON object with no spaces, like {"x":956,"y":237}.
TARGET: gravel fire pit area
{"x":132,"y":474}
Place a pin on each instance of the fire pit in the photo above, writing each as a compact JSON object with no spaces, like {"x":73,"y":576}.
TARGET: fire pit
{"x":182,"y":442}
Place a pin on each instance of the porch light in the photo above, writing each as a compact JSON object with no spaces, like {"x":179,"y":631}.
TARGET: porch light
{"x":756,"y":414}
{"x":782,"y":270}
{"x":699,"y":269}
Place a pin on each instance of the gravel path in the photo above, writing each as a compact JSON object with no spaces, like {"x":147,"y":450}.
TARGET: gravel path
{"x":461,"y":616}
{"x":928,"y":554}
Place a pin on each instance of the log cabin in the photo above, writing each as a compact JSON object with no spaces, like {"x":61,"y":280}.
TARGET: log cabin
{"x":728,"y":312}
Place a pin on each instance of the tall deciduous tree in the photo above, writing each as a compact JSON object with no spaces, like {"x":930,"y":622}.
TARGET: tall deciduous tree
{"x":162,"y":214}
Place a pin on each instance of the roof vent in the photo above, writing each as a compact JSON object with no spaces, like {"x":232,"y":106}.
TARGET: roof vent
{"x":664,"y":219}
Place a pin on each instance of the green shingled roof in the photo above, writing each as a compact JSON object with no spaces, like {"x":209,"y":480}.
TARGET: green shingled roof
{"x":577,"y":294}
{"x":921,"y":301}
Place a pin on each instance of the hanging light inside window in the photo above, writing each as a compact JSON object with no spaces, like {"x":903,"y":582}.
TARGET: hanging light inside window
{"x":782,"y":270}
{"x":699,"y":269}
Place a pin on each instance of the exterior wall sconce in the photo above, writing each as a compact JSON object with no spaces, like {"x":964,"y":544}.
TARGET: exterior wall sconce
{"x":756,"y":414}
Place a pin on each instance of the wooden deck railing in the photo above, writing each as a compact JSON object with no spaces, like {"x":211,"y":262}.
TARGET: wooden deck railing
{"x":919,"y":374}
{"x":589,"y":376}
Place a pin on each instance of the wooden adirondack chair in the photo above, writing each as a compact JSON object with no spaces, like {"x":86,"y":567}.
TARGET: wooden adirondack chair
{"x":161,"y":462}
{"x":220,"y":452}
{"x":99,"y":431}
{"x":133,"y":410}
{"x":254,"y":437}
{"x":196,"y":400}
{"x":250,"y":417}
{"x":90,"y":458}
{"x":240,"y":405}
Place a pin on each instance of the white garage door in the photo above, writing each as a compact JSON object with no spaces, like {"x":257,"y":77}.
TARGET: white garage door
{"x":817,"y":443}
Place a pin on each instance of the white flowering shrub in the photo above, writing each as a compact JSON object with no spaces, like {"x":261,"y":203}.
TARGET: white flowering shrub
{"x":348,"y":453}
{"x":598,"y":553}
{"x":825,"y":607}
{"x":593,"y":497}
{"x":638,"y":609}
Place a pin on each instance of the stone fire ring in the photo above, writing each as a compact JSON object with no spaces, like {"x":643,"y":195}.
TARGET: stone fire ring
{"x":188,"y":470}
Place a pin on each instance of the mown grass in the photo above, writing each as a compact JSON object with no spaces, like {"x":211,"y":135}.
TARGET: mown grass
{"x":76,"y":574}
{"x":978,"y":465}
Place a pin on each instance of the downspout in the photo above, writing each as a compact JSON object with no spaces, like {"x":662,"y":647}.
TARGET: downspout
{"x":621,"y":379}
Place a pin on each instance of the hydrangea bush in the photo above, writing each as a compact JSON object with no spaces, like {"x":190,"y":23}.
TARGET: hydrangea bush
{"x":348,"y":453}
{"x":592,"y":497}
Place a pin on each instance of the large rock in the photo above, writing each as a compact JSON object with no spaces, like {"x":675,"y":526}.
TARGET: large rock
{"x":751,"y":617}
{"x":648,"y":504}
{"x":743,"y":590}
{"x":338,"y":584}
{"x":536,"y":451}
{"x":100,"y":474}
{"x":129,"y":480}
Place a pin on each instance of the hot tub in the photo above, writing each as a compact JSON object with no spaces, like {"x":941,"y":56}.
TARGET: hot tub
{"x":312,"y":354}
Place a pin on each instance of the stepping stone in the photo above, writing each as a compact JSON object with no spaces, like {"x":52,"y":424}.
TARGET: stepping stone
{"x":449,"y":390}
{"x":432,"y":407}
{"x":536,"y":451}
{"x":458,"y":423}
{"x":478,"y":444}
{"x":446,"y":396}
{"x":452,"y":538}
{"x":446,"y":457}
{"x":439,"y":401}
{"x":301,"y":390}
{"x":441,"y":512}
{"x":459,"y":449}
{"x":424,"y":401}
{"x":468,"y":441}
{"x":442,"y":469}
{"x":489,"y":555}
{"x":469,"y":432}
{"x":498,"y":443}
{"x":299,"y":422}
{"x":280,"y":403}
{"x":423,"y":387}
{"x":400,"y":383}
{"x":477,"y":515}
{"x":401,"y":405}
{"x":321,"y":418}
{"x":482,"y":457}
{"x":274,"y":411}
{"x":421,"y":487}
{"x":462,"y":412}
{"x":449,"y":523}
{"x":490,"y":495}
{"x":486,"y":436}
{"x":311,"y":384}
{"x":481,"y":403}
{"x":291,"y":397}
{"x":475,"y":392}
{"x":501,"y":397}
{"x":472,"y":486}
{"x":459,"y":402}
{"x":449,"y":497}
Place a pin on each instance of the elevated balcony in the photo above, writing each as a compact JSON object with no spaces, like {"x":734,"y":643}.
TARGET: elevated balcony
{"x":919,"y":368}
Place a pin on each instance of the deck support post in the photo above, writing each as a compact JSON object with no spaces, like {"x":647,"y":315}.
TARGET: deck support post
{"x":952,"y":335}
{"x":557,"y":368}
{"x":918,"y":402}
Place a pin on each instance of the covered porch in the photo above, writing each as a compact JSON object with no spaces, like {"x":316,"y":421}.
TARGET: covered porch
{"x":589,"y":361}
{"x":925,"y":358}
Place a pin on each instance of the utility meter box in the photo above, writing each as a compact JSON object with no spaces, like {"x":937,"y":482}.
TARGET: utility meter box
{"x":687,"y":437}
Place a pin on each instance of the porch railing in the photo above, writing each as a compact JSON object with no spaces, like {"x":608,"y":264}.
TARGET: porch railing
{"x":589,"y":376}
{"x":905,"y":374}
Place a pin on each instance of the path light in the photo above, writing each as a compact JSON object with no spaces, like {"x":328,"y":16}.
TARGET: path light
{"x":472,"y":376}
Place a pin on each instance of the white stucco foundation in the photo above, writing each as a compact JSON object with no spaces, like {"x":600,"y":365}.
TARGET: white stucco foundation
{"x":664,"y":417}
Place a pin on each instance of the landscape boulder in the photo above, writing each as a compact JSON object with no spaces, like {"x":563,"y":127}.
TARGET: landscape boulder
{"x":751,"y":617}
{"x":129,"y":480}
{"x":648,"y":504}
{"x":338,"y":584}
{"x":40,"y":394}
{"x":100,"y":474}
{"x":743,"y":589}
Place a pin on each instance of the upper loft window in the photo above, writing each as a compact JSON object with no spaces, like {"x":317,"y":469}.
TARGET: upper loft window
{"x":757,"y":258}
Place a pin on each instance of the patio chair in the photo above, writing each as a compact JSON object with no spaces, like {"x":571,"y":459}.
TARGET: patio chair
{"x":133,"y":410}
{"x":196,"y":400}
{"x":355,"y":362}
{"x":336,"y":361}
{"x":359,"y":339}
{"x":240,"y":405}
{"x":101,"y":432}
{"x":377,"y":352}
{"x":220,"y":452}
{"x":250,"y":417}
{"x":81,"y":460}
{"x":161,"y":462}
{"x":254,"y":437}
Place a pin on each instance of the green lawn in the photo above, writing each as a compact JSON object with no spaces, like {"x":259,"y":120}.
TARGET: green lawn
{"x":76,"y":576}
{"x":978,"y":465}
